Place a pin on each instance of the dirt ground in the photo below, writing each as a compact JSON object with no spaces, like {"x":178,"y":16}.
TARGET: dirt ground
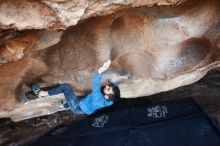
{"x":205,"y":92}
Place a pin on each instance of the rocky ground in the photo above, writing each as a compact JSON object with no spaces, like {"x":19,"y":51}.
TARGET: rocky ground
{"x":206,"y":92}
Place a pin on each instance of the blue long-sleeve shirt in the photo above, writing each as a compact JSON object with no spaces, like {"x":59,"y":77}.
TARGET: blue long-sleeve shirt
{"x":95,"y":100}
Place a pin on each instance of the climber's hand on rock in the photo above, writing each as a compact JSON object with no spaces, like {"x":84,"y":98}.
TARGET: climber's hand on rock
{"x":105,"y":66}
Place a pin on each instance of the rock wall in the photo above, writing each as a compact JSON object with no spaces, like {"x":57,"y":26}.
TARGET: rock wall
{"x":154,"y":46}
{"x":60,"y":14}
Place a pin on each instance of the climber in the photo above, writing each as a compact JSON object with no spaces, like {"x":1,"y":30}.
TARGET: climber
{"x":100,"y":96}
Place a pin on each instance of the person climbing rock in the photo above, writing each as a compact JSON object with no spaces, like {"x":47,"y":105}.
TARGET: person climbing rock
{"x":101,"y":95}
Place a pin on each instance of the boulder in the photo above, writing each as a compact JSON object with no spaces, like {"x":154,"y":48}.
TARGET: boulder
{"x":155,"y":46}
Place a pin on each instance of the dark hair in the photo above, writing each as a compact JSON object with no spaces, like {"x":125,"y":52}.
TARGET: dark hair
{"x":113,"y":97}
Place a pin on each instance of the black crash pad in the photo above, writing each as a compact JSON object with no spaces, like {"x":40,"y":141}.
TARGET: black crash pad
{"x":139,"y":123}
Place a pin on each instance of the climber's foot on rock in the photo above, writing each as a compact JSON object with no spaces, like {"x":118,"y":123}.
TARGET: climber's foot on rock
{"x":38,"y":92}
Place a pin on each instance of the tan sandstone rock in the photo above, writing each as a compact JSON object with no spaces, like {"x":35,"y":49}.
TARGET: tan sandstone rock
{"x":155,"y":46}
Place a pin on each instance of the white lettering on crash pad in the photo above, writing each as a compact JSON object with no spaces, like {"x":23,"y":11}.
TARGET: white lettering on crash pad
{"x":157,"y":111}
{"x":100,"y":121}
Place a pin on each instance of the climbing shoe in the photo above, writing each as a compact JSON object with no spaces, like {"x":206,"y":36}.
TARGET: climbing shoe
{"x":35,"y":89}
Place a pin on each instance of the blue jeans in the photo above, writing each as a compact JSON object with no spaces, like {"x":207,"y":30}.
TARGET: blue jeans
{"x":72,"y":100}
